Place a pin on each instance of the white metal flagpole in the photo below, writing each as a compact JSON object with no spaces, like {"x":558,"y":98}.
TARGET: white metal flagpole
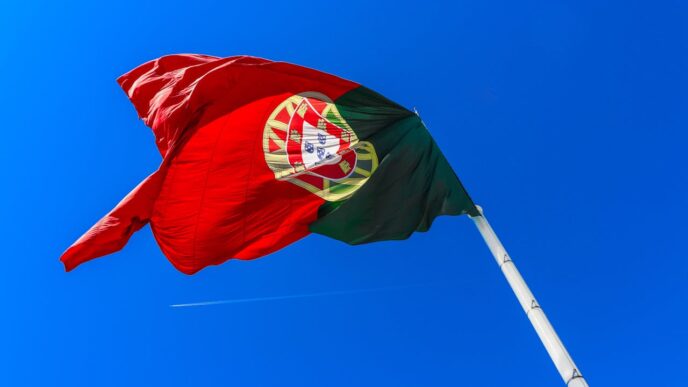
{"x":561,"y":358}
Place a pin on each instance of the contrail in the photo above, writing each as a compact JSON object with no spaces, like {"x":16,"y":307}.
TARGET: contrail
{"x":275,"y":298}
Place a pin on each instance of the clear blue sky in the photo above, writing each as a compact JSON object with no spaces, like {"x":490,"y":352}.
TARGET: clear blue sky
{"x":565,"y":120}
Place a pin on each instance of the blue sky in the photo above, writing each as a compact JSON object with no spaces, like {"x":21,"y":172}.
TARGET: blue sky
{"x":565,"y":120}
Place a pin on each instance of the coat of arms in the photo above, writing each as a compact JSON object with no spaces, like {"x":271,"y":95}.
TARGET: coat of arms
{"x":307,"y":142}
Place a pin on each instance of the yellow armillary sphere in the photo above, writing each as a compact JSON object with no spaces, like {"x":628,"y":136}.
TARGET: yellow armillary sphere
{"x":308,"y":143}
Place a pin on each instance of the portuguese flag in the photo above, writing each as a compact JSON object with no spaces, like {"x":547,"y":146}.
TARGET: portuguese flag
{"x":257,"y":154}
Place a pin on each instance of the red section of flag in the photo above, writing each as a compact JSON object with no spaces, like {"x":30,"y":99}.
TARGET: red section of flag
{"x":213,"y":197}
{"x":112,"y":232}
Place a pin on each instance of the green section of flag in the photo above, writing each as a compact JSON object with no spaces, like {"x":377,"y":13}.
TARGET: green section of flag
{"x":412,"y":185}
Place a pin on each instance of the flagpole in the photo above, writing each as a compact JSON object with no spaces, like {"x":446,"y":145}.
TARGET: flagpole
{"x":555,"y":348}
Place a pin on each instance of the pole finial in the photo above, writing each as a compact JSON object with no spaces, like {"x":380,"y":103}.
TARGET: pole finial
{"x":480,"y":211}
